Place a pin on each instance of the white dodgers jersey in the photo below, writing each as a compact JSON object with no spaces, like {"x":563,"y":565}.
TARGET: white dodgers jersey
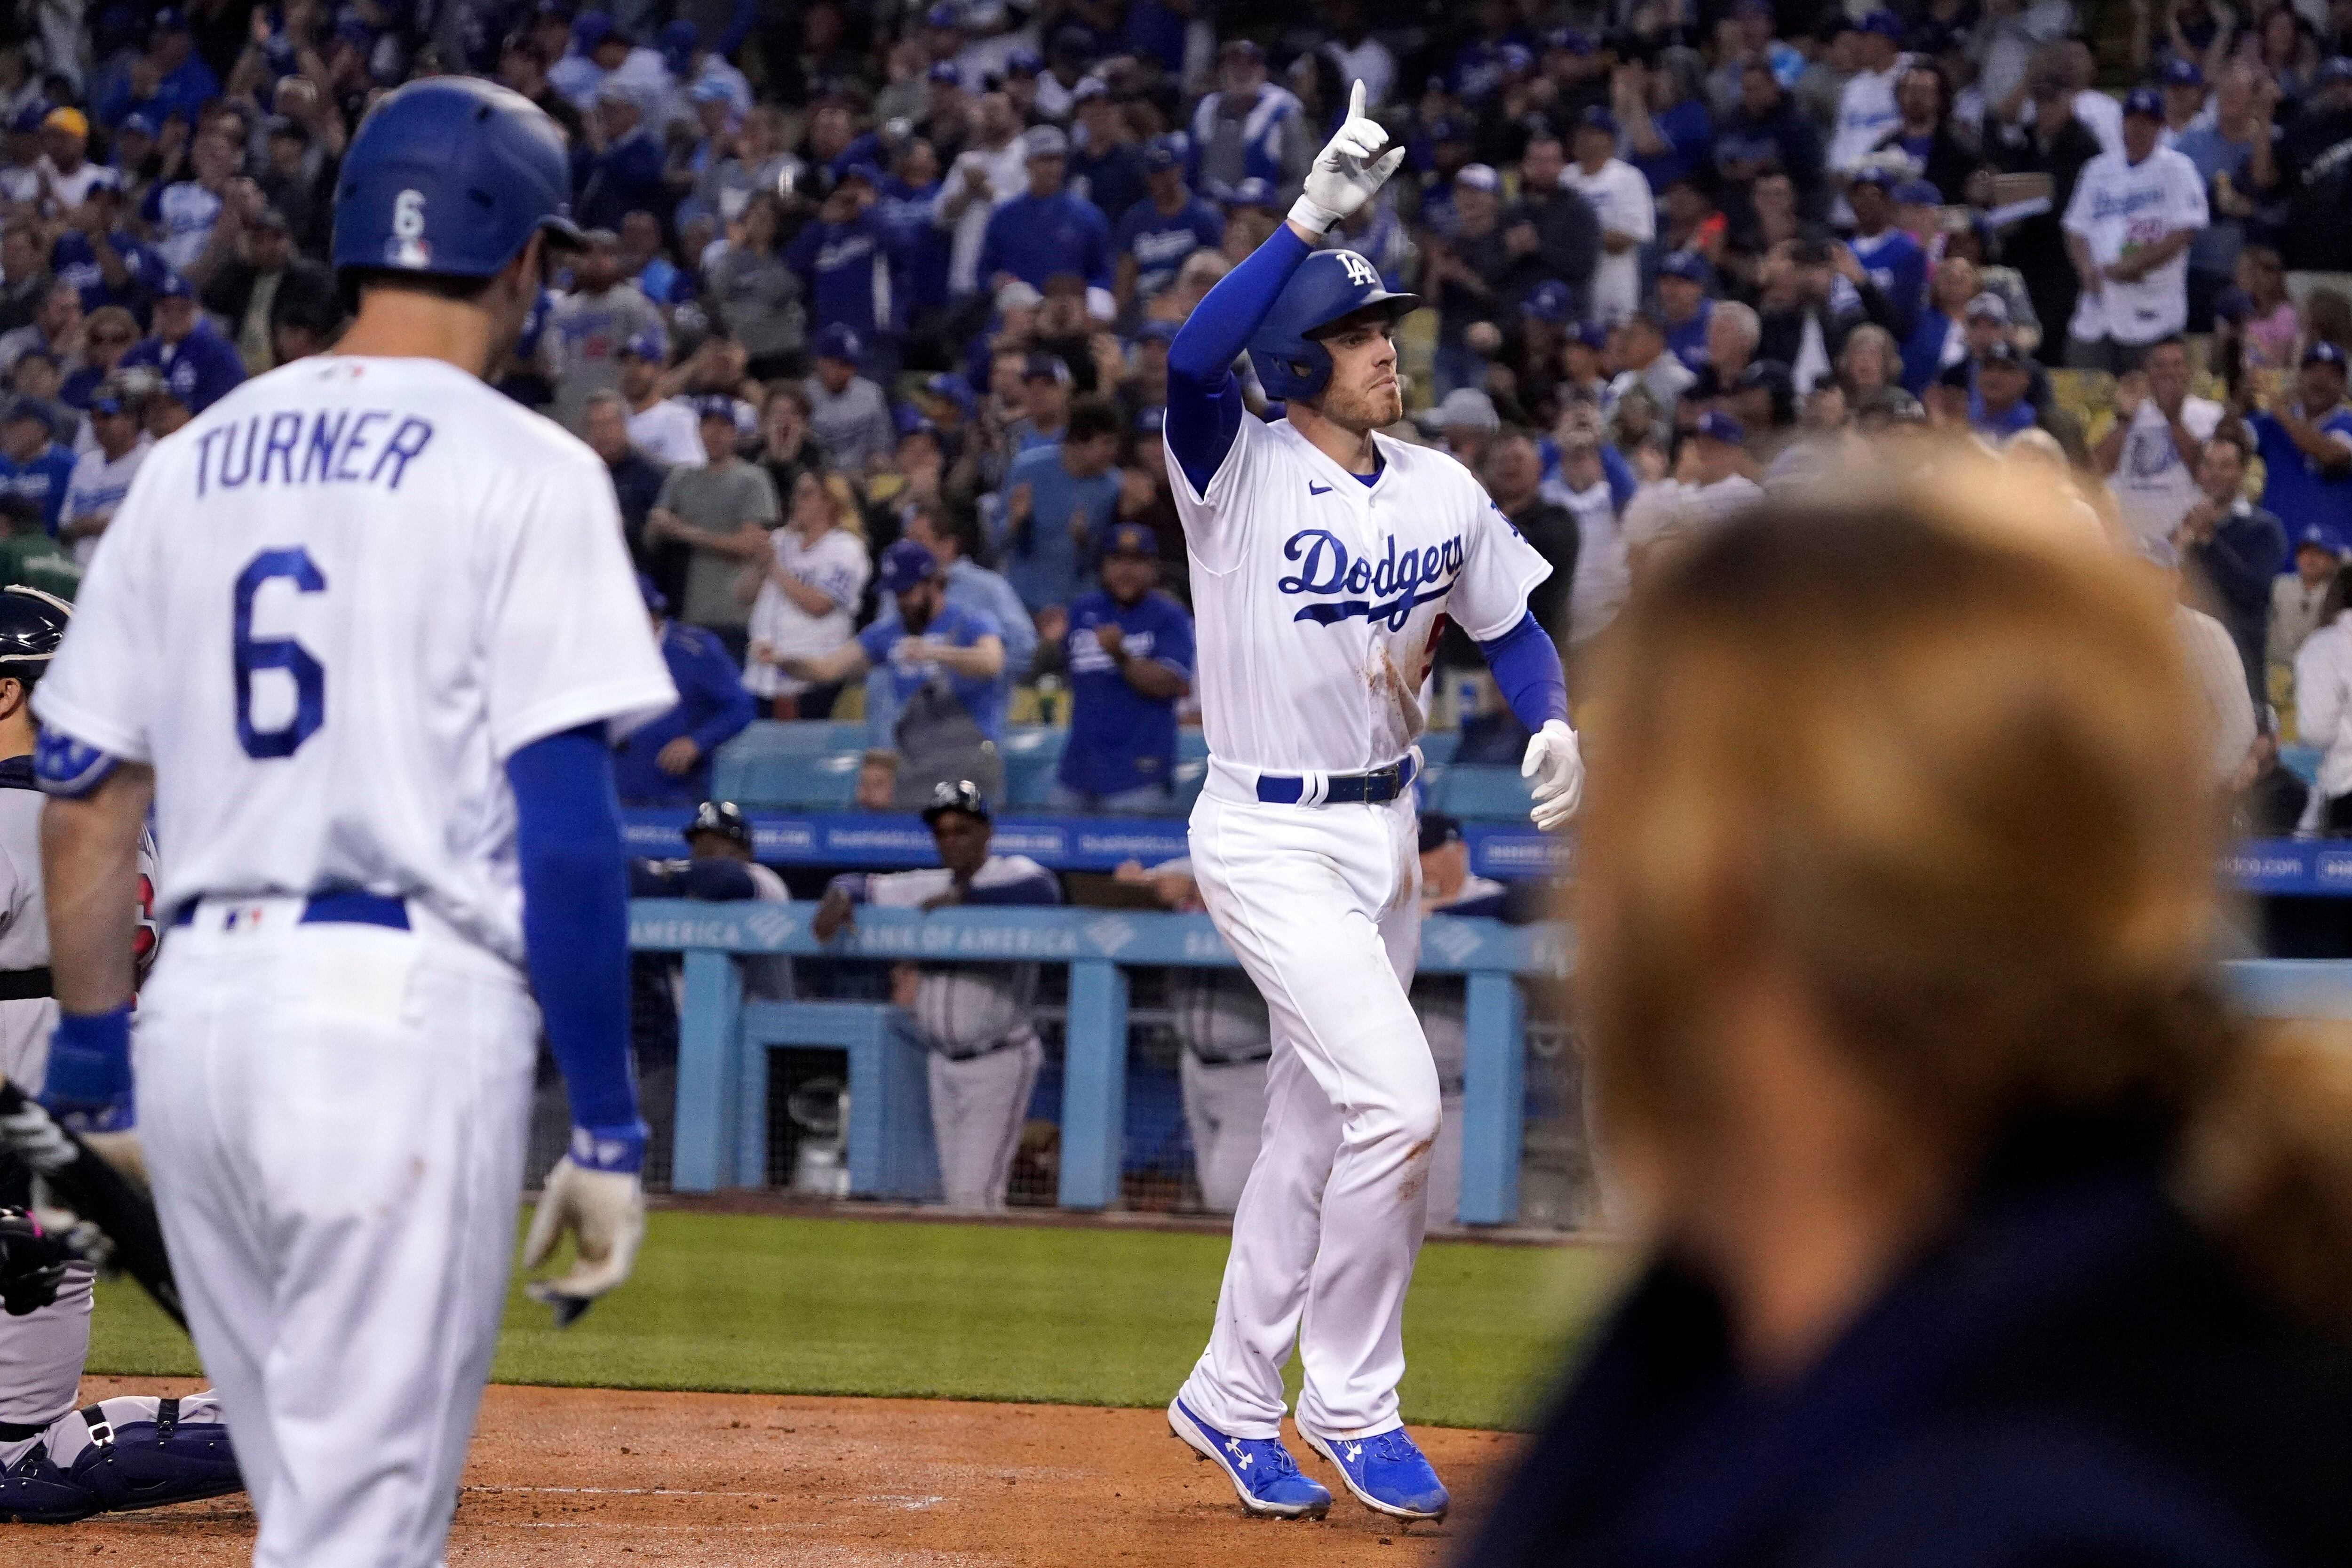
{"x":328,"y":612}
{"x":1318,"y":596}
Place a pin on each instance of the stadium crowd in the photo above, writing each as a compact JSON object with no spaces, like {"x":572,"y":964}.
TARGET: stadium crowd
{"x":872,"y":323}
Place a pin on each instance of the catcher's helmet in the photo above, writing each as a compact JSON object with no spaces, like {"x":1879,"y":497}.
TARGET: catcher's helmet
{"x":32,"y":624}
{"x":961,"y":795}
{"x":1328,"y":284}
{"x":724,"y":817}
{"x":451,"y":175}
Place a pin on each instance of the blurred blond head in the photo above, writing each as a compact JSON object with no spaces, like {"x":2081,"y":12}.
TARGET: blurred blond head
{"x":1922,"y":764}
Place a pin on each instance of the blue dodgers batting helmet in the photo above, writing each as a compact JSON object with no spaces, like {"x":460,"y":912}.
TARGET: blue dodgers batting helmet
{"x":1328,"y":285}
{"x":451,"y":175}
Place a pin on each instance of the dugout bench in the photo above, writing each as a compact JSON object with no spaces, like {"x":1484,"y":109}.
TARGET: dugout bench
{"x":723,"y":1040}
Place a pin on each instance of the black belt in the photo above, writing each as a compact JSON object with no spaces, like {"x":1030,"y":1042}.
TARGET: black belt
{"x":1375,"y":788}
{"x":25,"y":985}
{"x":16,"y":1431}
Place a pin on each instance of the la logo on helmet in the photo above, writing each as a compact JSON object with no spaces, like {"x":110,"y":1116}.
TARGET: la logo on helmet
{"x":1359,"y":271}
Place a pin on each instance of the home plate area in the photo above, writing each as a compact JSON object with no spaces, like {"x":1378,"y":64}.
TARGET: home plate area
{"x":569,"y":1474}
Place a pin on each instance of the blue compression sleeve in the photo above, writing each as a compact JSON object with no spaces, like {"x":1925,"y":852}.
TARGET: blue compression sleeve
{"x":576,"y":933}
{"x":1526,"y":669}
{"x":1204,"y":402}
{"x":1622,"y":482}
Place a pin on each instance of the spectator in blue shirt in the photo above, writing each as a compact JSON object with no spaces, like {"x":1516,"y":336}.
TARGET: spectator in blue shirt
{"x":33,"y":467}
{"x":1891,"y":258}
{"x":970,"y":585}
{"x":1684,"y":307}
{"x":849,"y":267}
{"x":1669,"y":133}
{"x":1159,"y":232}
{"x":624,"y":165}
{"x":196,"y":363}
{"x":1048,"y":230}
{"x":2306,"y":447}
{"x":909,"y":194}
{"x":1130,"y":656}
{"x":182,"y":83}
{"x":667,"y":762}
{"x":1058,"y":498}
{"x":1105,"y":166}
{"x":947,"y":677}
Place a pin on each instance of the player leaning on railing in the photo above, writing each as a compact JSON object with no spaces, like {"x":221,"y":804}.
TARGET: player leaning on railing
{"x":1324,"y":555}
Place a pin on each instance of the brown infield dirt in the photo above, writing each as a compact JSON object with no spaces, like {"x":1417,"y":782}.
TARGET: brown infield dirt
{"x":569,"y":1475}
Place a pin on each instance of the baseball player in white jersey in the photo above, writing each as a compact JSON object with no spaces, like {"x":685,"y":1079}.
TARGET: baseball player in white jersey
{"x":363,"y":632}
{"x":1323,"y":555}
{"x":59,"y":1464}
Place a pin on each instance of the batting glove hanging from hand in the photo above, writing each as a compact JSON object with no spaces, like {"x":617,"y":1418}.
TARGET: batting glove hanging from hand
{"x":1556,"y":765}
{"x":1347,"y":173}
{"x":604,"y":1211}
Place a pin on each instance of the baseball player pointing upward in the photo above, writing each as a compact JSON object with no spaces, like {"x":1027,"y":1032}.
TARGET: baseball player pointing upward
{"x":362,"y":631}
{"x":1323,"y":554}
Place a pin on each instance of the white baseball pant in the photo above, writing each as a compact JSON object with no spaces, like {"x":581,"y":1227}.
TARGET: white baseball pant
{"x":978,"y":1106}
{"x":335,"y":1118}
{"x":1321,"y":904}
{"x":1225,"y":1106}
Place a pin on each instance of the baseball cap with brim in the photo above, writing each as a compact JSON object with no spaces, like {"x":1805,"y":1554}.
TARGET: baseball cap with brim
{"x":2315,"y":538}
{"x":1885,"y":24}
{"x":1687,"y":266}
{"x":1253,"y":191}
{"x":1160,"y":153}
{"x":1597,"y":119}
{"x":1132,"y":539}
{"x":2001,"y":352}
{"x":172,"y":286}
{"x":716,"y":406}
{"x":1045,"y":142}
{"x":107,"y":403}
{"x":1989,"y":307}
{"x":952,"y":388}
{"x":1592,"y":335}
{"x":1463,"y":408}
{"x":2335,"y":68}
{"x":1477,"y":176}
{"x":710,"y":90}
{"x":1916,"y":194}
{"x":864,"y":172}
{"x":2144,"y":101}
{"x":139,"y":122}
{"x":1874,"y":175}
{"x":1089,"y":90}
{"x":2324,"y":353}
{"x":1549,"y":302}
{"x":2178,"y":72}
{"x":910,"y":421}
{"x":838,"y":342}
{"x":944,"y":73}
{"x":1715,"y":426}
{"x":1018,"y":295}
{"x":1046,"y":367}
{"x":905,"y":566}
{"x":646,"y":345}
{"x":72,"y":121}
{"x":1022,"y":62}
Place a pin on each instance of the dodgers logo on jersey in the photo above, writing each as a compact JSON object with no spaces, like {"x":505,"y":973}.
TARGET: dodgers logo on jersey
{"x":1397,"y":584}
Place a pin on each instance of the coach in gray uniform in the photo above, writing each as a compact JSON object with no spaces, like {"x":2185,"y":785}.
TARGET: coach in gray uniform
{"x":1220,"y":1021}
{"x":974,"y":1016}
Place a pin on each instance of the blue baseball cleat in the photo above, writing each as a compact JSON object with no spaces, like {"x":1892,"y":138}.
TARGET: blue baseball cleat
{"x":1261,"y":1470}
{"x":1386,"y":1473}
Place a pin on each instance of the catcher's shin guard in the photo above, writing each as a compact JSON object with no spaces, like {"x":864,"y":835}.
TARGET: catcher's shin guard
{"x":34,"y":1489}
{"x":146,"y":1453}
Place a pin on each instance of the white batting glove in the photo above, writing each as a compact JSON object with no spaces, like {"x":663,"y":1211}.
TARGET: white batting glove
{"x":605,"y":1213}
{"x":1347,"y":173}
{"x":1556,"y":765}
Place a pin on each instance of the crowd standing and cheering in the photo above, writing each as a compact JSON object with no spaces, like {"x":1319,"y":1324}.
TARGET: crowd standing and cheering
{"x":872,"y":325}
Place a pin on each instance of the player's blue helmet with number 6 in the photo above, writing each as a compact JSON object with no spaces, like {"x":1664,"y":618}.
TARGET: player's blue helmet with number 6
{"x":451,"y":175}
{"x":1328,"y":285}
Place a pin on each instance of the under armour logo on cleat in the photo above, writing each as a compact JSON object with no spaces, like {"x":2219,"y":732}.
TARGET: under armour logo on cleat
{"x":1246,"y":1459}
{"x":1232,"y":1444}
{"x":1315,"y":489}
{"x":1355,"y":1452}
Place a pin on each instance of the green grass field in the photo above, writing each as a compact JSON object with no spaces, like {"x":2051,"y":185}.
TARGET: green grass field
{"x":771,"y":1305}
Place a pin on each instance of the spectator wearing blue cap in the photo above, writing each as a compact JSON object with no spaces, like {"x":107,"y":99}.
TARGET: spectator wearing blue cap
{"x":2234,"y":149}
{"x":625,"y":168}
{"x":2185,"y":99}
{"x":667,"y":763}
{"x":1049,"y":230}
{"x":1249,"y":128}
{"x":2316,"y":236}
{"x":945,"y":120}
{"x":580,"y":349}
{"x":1159,"y":232}
{"x":1106,"y":165}
{"x":170,"y":80}
{"x":195,"y":362}
{"x":2296,"y":596}
{"x":33,"y":468}
{"x":696,"y":69}
{"x":1892,"y":259}
{"x":102,"y":476}
{"x":1058,"y":500}
{"x":1866,"y":110}
{"x":1924,"y":132}
{"x":945,"y":670}
{"x":1129,"y":650}
{"x":2306,"y":447}
{"x":909,"y":197}
{"x":852,"y":270}
{"x":1684,"y":308}
{"x":1620,"y":200}
{"x":2128,"y":225}
{"x":1550,"y":223}
{"x":847,"y":412}
{"x":721,"y":509}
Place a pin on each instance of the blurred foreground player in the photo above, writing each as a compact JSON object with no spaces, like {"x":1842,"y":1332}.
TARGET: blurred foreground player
{"x":1980,"y":1234}
{"x":59,"y":1464}
{"x":400,"y":631}
{"x":1323,"y":556}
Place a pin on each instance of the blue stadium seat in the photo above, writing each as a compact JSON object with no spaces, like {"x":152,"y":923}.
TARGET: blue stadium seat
{"x":1437,"y":747}
{"x":1032,"y":752}
{"x":1482,"y":794}
{"x":2303,"y":762}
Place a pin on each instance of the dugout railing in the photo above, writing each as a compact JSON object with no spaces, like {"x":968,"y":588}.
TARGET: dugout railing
{"x":720,"y":1134}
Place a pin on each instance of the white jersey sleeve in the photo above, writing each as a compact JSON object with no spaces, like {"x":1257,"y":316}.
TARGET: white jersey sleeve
{"x":565,"y":583}
{"x":1499,"y":569}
